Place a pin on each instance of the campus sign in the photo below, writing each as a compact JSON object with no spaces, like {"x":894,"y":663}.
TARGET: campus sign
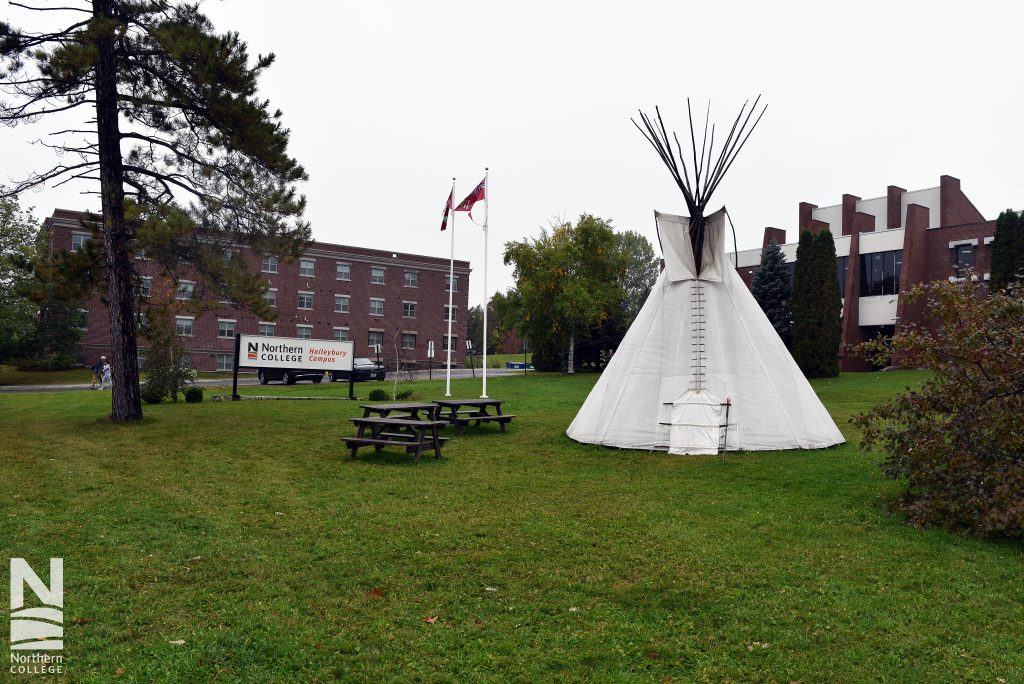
{"x":257,"y":351}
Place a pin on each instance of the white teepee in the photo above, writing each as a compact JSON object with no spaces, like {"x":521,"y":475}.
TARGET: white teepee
{"x":701,"y":368}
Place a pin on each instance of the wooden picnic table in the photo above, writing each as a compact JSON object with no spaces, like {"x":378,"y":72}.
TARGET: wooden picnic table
{"x":462,"y":412}
{"x":408,"y":409}
{"x":412,"y":435}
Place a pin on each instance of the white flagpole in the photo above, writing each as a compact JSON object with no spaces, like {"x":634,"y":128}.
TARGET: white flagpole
{"x":487,"y":207}
{"x":451,"y":286}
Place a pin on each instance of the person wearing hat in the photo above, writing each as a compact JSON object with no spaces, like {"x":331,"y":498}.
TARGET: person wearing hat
{"x":97,"y":371}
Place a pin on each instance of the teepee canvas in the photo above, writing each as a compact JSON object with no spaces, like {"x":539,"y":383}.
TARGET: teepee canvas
{"x":701,"y":368}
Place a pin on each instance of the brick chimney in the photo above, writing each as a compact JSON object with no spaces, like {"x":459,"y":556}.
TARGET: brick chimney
{"x":893,"y":206}
{"x":849,"y":209}
{"x":805,"y":216}
{"x":777,"y":234}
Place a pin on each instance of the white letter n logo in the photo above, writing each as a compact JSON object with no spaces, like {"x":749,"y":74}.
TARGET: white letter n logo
{"x":35,"y":629}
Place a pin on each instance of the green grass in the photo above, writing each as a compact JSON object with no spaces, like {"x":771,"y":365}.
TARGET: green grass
{"x":245,"y":530}
{"x":499,"y":360}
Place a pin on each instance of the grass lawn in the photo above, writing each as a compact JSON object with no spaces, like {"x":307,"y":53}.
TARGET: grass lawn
{"x":245,"y":530}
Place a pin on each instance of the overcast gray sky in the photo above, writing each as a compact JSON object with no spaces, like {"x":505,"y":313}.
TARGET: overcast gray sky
{"x":388,"y":100}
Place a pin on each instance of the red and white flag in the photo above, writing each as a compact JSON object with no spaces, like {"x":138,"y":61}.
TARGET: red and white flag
{"x":479,"y":193}
{"x":447,"y":210}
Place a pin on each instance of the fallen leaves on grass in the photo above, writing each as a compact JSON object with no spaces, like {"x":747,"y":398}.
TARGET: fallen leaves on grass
{"x":118,"y":672}
{"x":375,"y":593}
{"x":430,"y":619}
{"x":177,"y":642}
{"x":757,"y":644}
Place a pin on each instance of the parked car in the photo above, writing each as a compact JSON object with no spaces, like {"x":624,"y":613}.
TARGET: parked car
{"x":288,"y":376}
{"x":363,"y":369}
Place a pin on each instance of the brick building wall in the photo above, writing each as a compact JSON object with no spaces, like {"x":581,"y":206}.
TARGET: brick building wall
{"x":424,"y":288}
{"x":925,"y":227}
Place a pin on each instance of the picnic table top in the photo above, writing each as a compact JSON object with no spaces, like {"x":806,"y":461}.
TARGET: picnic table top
{"x":469,"y":402}
{"x":402,"y":406}
{"x":399,"y":421}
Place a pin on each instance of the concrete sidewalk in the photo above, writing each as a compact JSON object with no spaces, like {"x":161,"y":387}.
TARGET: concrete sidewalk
{"x":249,"y":380}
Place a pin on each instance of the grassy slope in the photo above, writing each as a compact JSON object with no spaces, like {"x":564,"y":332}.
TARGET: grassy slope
{"x":9,"y":375}
{"x":246,"y":531}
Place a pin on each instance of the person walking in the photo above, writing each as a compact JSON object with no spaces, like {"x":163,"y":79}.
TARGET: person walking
{"x":97,"y":371}
{"x":106,"y":382}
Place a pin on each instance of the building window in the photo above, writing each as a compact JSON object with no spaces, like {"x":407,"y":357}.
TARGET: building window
{"x":341,"y":334}
{"x":842,"y":266}
{"x":964,"y":259}
{"x":448,"y":283}
{"x":186,"y":288}
{"x":408,"y":309}
{"x":375,"y":337}
{"x":140,"y":354}
{"x":142,"y":320}
{"x":270,"y":264}
{"x":183,"y":325}
{"x":267,"y":329}
{"x":450,"y":312}
{"x":271,"y":296}
{"x":305,"y":300}
{"x":186,"y":359}
{"x":444,"y":342}
{"x":376,"y":307}
{"x":79,"y":241}
{"x":304,"y":332}
{"x":377,"y":275}
{"x":408,"y":340}
{"x":340,"y":303}
{"x":146,"y":287}
{"x":225,"y":362}
{"x":412,"y":279}
{"x":225,"y":328}
{"x":880,"y":273}
{"x":343,"y":271}
{"x":306,"y":267}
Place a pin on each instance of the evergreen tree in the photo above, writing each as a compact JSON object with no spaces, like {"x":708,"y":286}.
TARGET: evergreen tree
{"x":1007,"y":250}
{"x":817,"y":307}
{"x":771,"y":290}
{"x":168,"y":107}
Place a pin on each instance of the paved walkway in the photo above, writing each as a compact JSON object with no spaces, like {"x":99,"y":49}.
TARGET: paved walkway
{"x":249,"y":380}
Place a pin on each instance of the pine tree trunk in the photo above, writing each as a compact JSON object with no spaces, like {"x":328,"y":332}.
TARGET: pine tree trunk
{"x":570,"y":367}
{"x":125,"y":401}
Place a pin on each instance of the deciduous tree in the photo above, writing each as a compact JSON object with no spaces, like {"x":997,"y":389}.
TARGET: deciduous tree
{"x":568,"y":279}
{"x":956,"y":441}
{"x":170,"y":116}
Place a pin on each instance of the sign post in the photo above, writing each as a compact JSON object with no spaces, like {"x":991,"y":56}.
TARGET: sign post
{"x":469,"y":353}
{"x":430,"y":360}
{"x":234,"y":371}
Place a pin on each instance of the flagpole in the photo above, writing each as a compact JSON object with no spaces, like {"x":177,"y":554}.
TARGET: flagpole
{"x":451,"y":286}
{"x":487,"y":208}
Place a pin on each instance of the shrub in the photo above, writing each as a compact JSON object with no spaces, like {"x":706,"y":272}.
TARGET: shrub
{"x":194,"y":395}
{"x":152,"y":393}
{"x":403,"y":395}
{"x":378,"y":395}
{"x":957,"y":441}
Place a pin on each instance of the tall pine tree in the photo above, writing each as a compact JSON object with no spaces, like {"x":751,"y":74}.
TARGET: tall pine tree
{"x":817,"y":307}
{"x":1007,"y":250}
{"x":771,"y":290}
{"x":170,"y":116}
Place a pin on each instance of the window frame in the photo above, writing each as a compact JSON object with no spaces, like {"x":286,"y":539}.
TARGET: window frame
{"x":374,"y":270}
{"x":342,"y":298}
{"x":415,"y":279}
{"x":374,"y":300}
{"x":262,"y":324}
{"x":303,"y":326}
{"x":268,"y":261}
{"x":301,"y":295}
{"x":191,"y":320}
{"x":234,"y":331}
{"x":302,"y":267}
{"x":337,"y":270}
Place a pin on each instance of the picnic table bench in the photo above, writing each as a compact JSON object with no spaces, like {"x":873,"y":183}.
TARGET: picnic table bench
{"x":412,"y":435}
{"x":407,"y":409}
{"x":462,"y":412}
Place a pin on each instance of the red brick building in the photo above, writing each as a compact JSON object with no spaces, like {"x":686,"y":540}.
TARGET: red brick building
{"x":886,"y":245}
{"x":334,"y":292}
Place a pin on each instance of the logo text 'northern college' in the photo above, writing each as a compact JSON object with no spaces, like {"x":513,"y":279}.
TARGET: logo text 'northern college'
{"x":39,"y":627}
